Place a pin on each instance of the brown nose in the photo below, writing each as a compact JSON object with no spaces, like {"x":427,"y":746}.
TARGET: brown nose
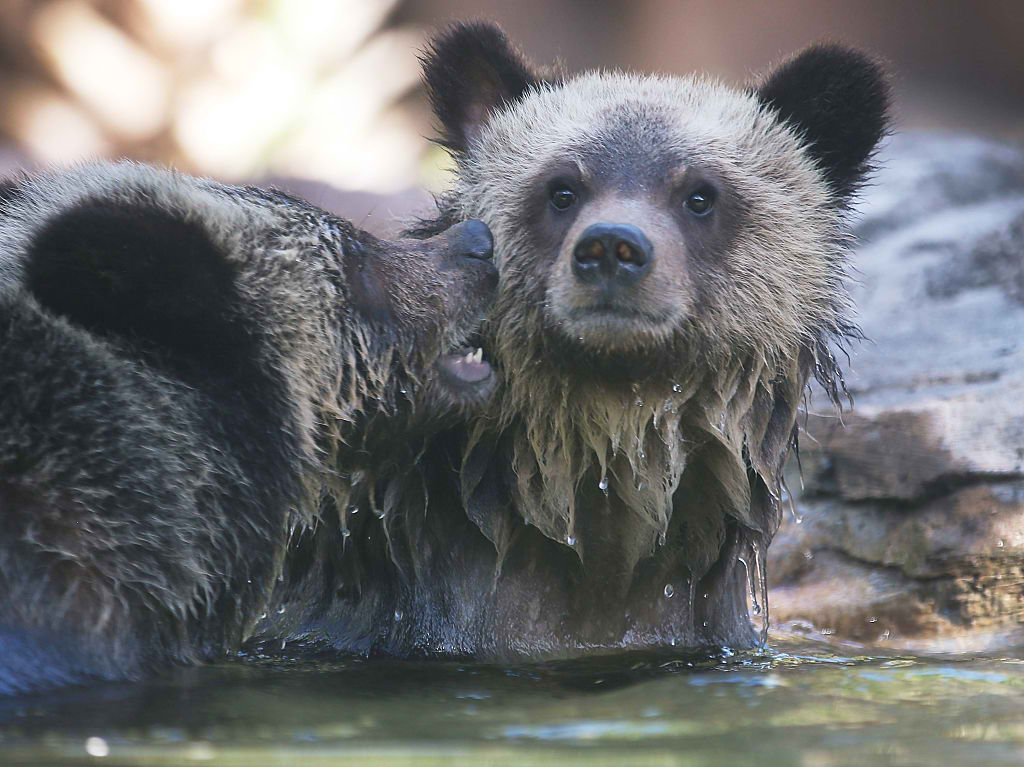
{"x":613,"y":254}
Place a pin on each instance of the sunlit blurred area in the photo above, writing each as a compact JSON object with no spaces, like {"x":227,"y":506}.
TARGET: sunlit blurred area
{"x":230,"y":88}
{"x":328,"y":90}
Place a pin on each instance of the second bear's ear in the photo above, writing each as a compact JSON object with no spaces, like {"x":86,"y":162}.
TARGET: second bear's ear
{"x":837,"y":99}
{"x":471,"y":69}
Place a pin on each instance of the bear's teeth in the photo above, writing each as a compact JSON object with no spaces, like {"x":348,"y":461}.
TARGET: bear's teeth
{"x":477,"y":356}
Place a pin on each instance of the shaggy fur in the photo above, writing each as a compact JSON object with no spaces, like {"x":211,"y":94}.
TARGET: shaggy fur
{"x":635,"y":455}
{"x":620,"y":489}
{"x":187,"y":371}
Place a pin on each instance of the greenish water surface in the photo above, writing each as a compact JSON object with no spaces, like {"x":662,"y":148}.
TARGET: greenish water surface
{"x":795,"y":704}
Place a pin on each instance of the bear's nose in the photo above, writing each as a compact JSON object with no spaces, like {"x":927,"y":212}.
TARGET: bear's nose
{"x":614,"y":254}
{"x":471,"y":239}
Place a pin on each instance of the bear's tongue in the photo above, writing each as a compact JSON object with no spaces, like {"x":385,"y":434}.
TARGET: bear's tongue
{"x":468,"y":367}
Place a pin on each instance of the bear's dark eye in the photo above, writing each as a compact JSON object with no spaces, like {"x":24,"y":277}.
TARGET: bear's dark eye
{"x":562,"y":197}
{"x":701,"y":201}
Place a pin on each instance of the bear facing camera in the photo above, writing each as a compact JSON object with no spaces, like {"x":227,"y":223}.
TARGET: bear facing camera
{"x":672,"y":254}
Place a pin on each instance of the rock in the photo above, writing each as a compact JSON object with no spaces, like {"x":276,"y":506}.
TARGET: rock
{"x":913,"y":503}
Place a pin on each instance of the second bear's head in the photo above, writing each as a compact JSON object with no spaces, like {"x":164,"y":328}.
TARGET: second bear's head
{"x":643,"y":222}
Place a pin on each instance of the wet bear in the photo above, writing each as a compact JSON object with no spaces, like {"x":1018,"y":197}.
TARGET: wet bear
{"x":186,"y":369}
{"x":671,"y":255}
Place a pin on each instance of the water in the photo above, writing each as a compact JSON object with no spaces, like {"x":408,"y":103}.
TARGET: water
{"x":799,"y":704}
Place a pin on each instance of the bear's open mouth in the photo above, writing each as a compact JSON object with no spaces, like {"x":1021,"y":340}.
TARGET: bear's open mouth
{"x":466,"y":367}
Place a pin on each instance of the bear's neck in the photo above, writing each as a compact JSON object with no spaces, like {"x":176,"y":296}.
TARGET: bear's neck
{"x":640,"y":480}
{"x":618,"y":544}
{"x":596,"y":466}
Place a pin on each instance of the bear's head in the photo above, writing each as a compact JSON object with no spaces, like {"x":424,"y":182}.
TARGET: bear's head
{"x":637,"y":215}
{"x":419,"y":303}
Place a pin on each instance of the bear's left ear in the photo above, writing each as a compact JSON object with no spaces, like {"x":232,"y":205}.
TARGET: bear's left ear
{"x":471,"y":69}
{"x":837,"y":99}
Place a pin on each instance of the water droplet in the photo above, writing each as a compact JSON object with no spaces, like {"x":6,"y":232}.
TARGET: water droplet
{"x":570,"y":540}
{"x":751,"y":586}
{"x":379,"y":513}
{"x":263,"y":616}
{"x":398,"y":615}
{"x":661,"y":538}
{"x":96,"y":747}
{"x":999,"y":543}
{"x":676,"y":388}
{"x":705,"y":596}
{"x":705,"y":624}
{"x":639,"y":403}
{"x":669,"y":591}
{"x":280,"y":610}
{"x":808,"y":554}
{"x":346,"y":533}
{"x":603,"y":484}
{"x":353,"y":509}
{"x":872,"y":619}
{"x":403,"y":391}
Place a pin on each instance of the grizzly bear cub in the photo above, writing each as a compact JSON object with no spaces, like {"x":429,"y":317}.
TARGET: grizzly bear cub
{"x":672,"y":254}
{"x":185,"y":370}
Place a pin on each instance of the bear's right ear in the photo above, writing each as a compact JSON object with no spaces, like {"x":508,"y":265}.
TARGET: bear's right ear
{"x":470,"y":70}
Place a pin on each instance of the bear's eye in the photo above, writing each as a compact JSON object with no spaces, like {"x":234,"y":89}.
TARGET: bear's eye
{"x":701,"y":201}
{"x":562,"y":197}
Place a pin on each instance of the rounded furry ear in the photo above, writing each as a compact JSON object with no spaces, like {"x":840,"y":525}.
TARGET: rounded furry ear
{"x":471,"y":69}
{"x":838,"y":99}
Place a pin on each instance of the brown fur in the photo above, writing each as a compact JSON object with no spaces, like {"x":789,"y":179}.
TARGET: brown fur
{"x":186,"y":371}
{"x":649,"y":443}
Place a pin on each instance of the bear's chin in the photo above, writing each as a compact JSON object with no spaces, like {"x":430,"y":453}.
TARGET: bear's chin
{"x":613,"y":326}
{"x":635,"y":354}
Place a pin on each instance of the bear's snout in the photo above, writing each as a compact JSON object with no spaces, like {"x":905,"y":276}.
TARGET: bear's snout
{"x":471,"y":239}
{"x":612,"y":255}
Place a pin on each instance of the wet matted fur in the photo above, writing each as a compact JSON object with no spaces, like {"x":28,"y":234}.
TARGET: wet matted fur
{"x":622,"y":488}
{"x":185,"y":369}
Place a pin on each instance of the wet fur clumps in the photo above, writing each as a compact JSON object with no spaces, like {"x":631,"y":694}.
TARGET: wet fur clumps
{"x":189,"y":374}
{"x":656,"y":460}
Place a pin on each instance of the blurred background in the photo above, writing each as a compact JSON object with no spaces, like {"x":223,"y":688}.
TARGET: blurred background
{"x":328,"y":90}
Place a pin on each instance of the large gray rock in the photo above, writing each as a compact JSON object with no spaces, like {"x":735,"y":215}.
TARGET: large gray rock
{"x":912,"y":514}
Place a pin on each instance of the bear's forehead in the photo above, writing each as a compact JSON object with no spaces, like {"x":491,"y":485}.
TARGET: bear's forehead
{"x":648,"y":123}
